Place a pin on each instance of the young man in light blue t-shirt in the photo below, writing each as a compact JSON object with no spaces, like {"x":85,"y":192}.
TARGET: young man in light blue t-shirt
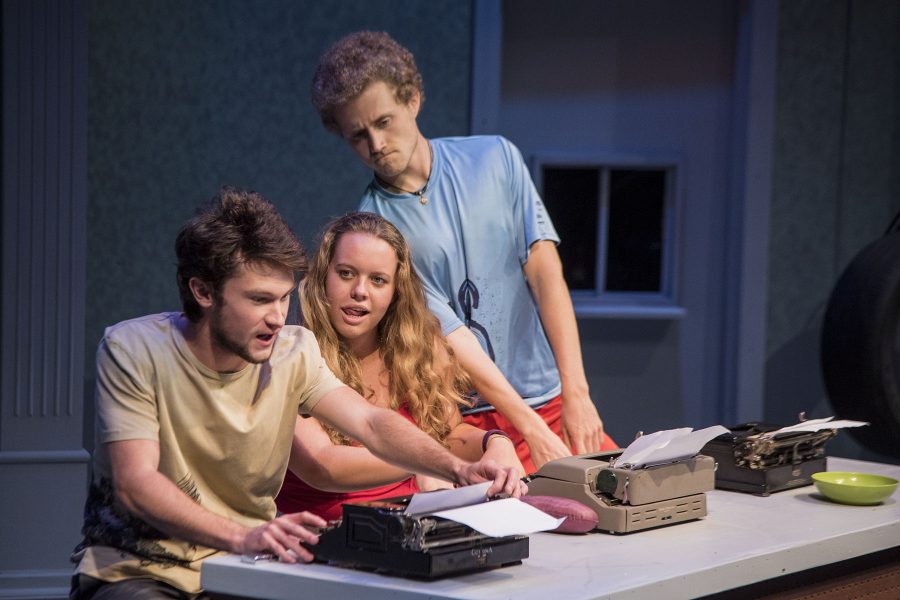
{"x":482,"y":243}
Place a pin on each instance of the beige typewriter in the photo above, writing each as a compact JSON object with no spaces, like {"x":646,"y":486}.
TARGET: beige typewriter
{"x":629,"y":499}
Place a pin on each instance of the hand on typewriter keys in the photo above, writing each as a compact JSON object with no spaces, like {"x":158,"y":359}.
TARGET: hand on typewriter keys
{"x":506,"y":480}
{"x":283,"y":536}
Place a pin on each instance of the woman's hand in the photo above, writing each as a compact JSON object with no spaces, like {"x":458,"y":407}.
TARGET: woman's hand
{"x":501,"y":450}
{"x":427,"y":483}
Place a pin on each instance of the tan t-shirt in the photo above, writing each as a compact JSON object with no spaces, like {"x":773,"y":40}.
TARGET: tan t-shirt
{"x":224,"y":439}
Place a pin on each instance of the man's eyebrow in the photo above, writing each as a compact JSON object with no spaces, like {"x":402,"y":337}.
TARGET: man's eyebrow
{"x":357,"y":129}
{"x":269,"y":294}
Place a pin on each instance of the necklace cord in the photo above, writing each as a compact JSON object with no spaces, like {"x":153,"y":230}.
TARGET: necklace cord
{"x":421,"y":191}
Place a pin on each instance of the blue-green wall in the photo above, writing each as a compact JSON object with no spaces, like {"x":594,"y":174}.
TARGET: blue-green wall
{"x":187,"y":96}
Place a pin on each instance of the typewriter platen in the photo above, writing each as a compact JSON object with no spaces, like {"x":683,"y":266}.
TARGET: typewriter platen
{"x":751,"y":460}
{"x":378,"y":536}
{"x":628,"y":500}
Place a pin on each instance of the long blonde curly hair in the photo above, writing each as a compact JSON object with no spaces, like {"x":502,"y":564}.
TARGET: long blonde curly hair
{"x":409,"y":335}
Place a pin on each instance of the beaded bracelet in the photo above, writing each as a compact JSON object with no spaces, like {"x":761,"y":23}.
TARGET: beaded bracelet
{"x":487,"y":437}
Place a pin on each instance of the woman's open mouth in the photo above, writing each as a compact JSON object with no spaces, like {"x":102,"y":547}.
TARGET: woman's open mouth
{"x":353,"y":314}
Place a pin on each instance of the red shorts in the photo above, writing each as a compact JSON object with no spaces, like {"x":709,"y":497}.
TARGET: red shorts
{"x":551,"y":413}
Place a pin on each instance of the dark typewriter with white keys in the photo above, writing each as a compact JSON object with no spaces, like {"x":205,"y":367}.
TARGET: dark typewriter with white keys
{"x":380,"y":536}
{"x":752,"y":459}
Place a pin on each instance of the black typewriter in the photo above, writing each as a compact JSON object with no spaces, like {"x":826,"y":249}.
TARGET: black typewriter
{"x":751,"y":459}
{"x":379,"y":536}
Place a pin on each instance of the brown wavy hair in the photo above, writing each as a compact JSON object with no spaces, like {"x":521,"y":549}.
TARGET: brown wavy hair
{"x":354,"y":62}
{"x":409,"y":335}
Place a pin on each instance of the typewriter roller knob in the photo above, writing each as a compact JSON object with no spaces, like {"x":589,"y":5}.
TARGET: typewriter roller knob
{"x":607,"y":482}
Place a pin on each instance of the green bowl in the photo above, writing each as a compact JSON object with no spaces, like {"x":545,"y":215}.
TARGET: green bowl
{"x":854,"y":488}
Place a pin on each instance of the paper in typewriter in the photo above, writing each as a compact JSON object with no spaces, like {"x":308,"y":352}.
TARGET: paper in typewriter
{"x":814,"y":425}
{"x":432,"y":502}
{"x":666,"y":446}
{"x":469,"y":505}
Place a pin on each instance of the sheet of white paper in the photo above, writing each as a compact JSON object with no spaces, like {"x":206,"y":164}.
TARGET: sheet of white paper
{"x":685,"y":446}
{"x":430,"y":502}
{"x":796,"y":427}
{"x":646,"y":444}
{"x":499,"y":518}
{"x":675,"y":444}
{"x":816,"y":425}
{"x":842,"y":423}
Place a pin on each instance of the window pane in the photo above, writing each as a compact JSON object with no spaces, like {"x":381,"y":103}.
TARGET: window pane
{"x":634,"y":249}
{"x":571,"y":198}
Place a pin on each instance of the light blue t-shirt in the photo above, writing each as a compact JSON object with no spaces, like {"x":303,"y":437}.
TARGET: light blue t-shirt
{"x":469,"y":242}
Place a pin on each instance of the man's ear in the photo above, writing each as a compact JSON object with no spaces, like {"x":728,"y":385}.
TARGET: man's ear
{"x":202,"y":292}
{"x":415,"y":103}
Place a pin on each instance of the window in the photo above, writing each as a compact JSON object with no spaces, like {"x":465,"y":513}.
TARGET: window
{"x":617,"y":223}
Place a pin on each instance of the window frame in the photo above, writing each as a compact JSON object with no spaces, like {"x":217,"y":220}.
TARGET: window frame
{"x":603,"y":304}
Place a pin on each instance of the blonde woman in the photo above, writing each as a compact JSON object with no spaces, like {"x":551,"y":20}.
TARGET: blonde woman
{"x":366,"y":306}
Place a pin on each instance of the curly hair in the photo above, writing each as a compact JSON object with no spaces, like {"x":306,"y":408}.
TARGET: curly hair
{"x":235,"y":228}
{"x":409,"y":335}
{"x":354,"y":62}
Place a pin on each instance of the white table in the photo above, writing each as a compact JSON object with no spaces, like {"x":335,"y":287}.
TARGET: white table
{"x":744,"y":539}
